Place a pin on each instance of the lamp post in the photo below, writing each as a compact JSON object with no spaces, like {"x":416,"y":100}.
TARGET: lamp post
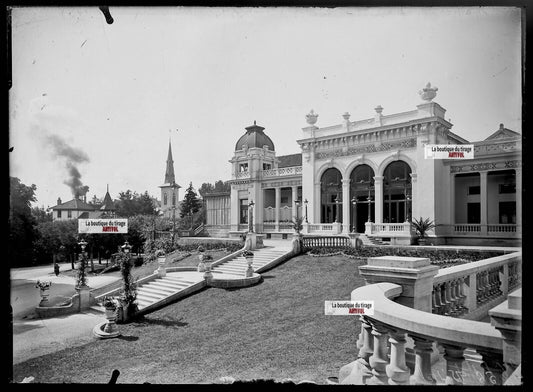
{"x":173,"y":223}
{"x":126,"y":247}
{"x":305,"y":202}
{"x":337,"y":210}
{"x":251,"y":217}
{"x":82,"y":279}
{"x":407,"y":210}
{"x":354,"y":203}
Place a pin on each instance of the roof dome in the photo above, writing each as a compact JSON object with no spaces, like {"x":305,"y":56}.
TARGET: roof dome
{"x":254,"y":137}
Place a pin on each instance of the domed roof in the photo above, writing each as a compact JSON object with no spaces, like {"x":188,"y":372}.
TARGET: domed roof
{"x":254,"y":137}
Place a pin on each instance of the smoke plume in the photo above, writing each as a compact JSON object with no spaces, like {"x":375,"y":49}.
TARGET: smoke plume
{"x":51,"y":120}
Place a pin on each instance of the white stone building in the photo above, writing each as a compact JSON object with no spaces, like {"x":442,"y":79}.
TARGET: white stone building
{"x":371,"y":176}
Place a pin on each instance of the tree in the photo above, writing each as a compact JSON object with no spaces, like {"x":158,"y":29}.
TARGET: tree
{"x":219,"y":186}
{"x":41,"y":215}
{"x":131,"y":203}
{"x":22,"y":232}
{"x":190,"y":203}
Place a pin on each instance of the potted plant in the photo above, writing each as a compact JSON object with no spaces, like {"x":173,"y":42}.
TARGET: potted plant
{"x":161,"y":259}
{"x":422,"y":226}
{"x":207,"y":266}
{"x":44,"y":288}
{"x":110,"y":305}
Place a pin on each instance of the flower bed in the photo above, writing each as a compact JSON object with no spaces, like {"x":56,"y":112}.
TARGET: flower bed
{"x":442,"y":257}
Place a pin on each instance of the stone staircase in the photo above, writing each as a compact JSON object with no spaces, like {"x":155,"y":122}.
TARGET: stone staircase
{"x":369,"y":241}
{"x":261,"y":260}
{"x":161,"y":288}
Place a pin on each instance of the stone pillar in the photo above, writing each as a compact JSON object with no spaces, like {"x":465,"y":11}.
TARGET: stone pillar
{"x":378,"y":361}
{"x":85,"y":297}
{"x":278,"y":205}
{"x":414,"y":274}
{"x":294,"y":198}
{"x":414,"y":196}
{"x":507,"y":318}
{"x":378,"y":199}
{"x":518,"y":173}
{"x":234,"y":203}
{"x":346,"y":205}
{"x":483,"y":201}
{"x":317,"y":203}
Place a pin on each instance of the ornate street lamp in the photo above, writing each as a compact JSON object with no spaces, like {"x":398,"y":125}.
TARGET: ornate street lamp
{"x":407,"y":209}
{"x":305,"y":202}
{"x":337,"y":210}
{"x":369,"y":204}
{"x":126,"y":247}
{"x":354,"y":203}
{"x":251,"y":217}
{"x":297,"y":204}
{"x":82,"y":278}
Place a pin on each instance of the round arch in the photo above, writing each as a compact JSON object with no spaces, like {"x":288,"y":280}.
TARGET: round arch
{"x":331,"y":195}
{"x":397,"y":192}
{"x":362,"y":197}
{"x":396,"y":157}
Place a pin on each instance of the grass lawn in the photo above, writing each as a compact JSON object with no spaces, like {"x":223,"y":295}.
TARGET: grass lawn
{"x":273,"y":330}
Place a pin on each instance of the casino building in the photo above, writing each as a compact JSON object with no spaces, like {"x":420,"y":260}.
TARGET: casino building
{"x":371,"y":176}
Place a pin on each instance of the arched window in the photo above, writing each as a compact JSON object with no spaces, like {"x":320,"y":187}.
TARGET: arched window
{"x":165,"y":199}
{"x":362,"y":191}
{"x":397,"y":192}
{"x":331,"y":196}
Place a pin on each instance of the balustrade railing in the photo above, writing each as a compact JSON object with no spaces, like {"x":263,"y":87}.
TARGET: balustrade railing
{"x":283,"y":171}
{"x":324,"y":242}
{"x":466,"y":290}
{"x":398,"y":228}
{"x":382,"y":354}
{"x":504,"y":230}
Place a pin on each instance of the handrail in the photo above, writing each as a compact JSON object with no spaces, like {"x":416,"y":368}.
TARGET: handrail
{"x":447,"y":330}
{"x":458,"y":271}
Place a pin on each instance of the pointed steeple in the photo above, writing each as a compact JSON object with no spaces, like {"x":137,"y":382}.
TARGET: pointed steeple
{"x":169,"y":173}
{"x":108,"y":204}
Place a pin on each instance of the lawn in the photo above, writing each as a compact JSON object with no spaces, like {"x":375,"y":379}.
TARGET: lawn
{"x":273,"y":330}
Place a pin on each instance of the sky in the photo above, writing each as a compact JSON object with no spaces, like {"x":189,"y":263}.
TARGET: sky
{"x":94,"y":104}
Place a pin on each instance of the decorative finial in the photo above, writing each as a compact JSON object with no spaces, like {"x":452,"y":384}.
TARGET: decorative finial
{"x":428,"y":92}
{"x":254,"y":123}
{"x":501,"y":126}
{"x":346,"y":116}
{"x":378,"y":109}
{"x":311,"y":118}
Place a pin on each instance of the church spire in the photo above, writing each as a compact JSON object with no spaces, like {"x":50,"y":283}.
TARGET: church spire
{"x":169,"y":173}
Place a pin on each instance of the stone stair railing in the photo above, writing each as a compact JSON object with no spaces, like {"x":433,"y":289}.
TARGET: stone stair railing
{"x":417,"y":308}
{"x":390,"y":325}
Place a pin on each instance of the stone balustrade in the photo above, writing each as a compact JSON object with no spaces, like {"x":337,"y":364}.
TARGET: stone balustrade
{"x":282,"y":171}
{"x":388,"y":329}
{"x":491,"y":230}
{"x":469,"y":290}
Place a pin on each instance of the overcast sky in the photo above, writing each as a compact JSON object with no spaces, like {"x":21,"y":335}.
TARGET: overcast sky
{"x":106,"y":95}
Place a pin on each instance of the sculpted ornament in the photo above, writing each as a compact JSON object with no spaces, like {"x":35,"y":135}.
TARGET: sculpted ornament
{"x":428,"y":92}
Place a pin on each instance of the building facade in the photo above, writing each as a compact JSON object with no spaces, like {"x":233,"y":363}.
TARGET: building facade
{"x":372,"y":176}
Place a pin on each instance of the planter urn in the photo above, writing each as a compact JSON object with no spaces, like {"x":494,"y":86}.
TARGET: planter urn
{"x":161,"y":270}
{"x":111,"y":316}
{"x":45,"y":293}
{"x":201,"y":264}
{"x":250,"y":269}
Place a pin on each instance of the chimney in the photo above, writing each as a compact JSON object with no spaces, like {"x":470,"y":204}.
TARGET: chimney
{"x":58,"y":201}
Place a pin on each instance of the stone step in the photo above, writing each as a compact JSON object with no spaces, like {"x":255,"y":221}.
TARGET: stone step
{"x":155,"y":286}
{"x":172,"y":285}
{"x":178,"y":279}
{"x":147,"y":295}
{"x":246,"y":263}
{"x":230,"y":271}
{"x":156,"y":291}
{"x":228,"y":265}
{"x":98,"y":308}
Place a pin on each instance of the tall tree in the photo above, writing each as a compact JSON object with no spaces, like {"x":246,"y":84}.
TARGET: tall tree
{"x":22,"y":232}
{"x":41,"y":215}
{"x":131,"y":203}
{"x":190,"y":203}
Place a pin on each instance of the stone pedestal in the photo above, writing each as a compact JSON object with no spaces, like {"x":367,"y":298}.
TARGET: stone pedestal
{"x":85,"y":297}
{"x":414,"y":274}
{"x":507,"y":318}
{"x":161,"y":270}
{"x":253,"y":241}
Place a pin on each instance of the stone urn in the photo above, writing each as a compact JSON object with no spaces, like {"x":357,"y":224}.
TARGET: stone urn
{"x":45,"y":293}
{"x":311,"y":118}
{"x":428,"y":92}
{"x":111,"y":316}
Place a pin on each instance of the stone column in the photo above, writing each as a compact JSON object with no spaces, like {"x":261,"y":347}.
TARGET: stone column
{"x":317,"y":203}
{"x":346,"y":205}
{"x":378,"y":199}
{"x":278,"y":205}
{"x":378,"y":361}
{"x":518,"y":173}
{"x":483,"y":201}
{"x":234,"y":203}
{"x":294,"y":198}
{"x":452,"y":204}
{"x":414,"y":196}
